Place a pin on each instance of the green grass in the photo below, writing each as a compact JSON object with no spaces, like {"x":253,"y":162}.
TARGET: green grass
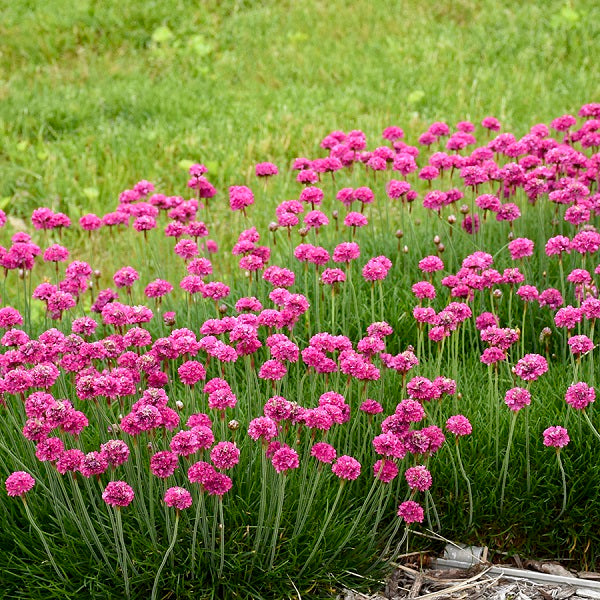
{"x":98,"y":95}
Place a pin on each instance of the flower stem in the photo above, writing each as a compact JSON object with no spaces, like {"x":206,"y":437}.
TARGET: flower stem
{"x":280,"y":494}
{"x":164,"y":560}
{"x":466,"y":478}
{"x":324,"y":528}
{"x":506,"y":457}
{"x":43,"y":538}
{"x":564,"y":483}
{"x":589,"y":422}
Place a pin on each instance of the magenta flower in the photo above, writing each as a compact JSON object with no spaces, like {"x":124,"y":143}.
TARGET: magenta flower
{"x":579,"y":395}
{"x":385,"y":470}
{"x":580,"y":344}
{"x":225,"y":455}
{"x":178,"y":497}
{"x":346,"y":468}
{"x":418,"y":478}
{"x":531,"y":367}
{"x":19,"y":483}
{"x":118,"y":493}
{"x":411,"y":512}
{"x":266,"y":169}
{"x":459,"y":425}
{"x":323,"y":452}
{"x":556,"y":437}
{"x":517,"y":398}
{"x":284,"y":459}
{"x":163,"y":464}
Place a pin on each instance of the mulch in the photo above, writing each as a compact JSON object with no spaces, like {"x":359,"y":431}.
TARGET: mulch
{"x":482,"y":581}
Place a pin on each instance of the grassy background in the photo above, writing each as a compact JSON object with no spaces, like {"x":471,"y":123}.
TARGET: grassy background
{"x":97,"y":95}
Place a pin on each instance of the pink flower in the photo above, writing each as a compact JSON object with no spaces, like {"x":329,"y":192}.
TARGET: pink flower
{"x":323,"y":452}
{"x":285,"y":459}
{"x":418,"y":478}
{"x":517,"y":398}
{"x":118,"y":493}
{"x":579,"y":395}
{"x":520,"y":248}
{"x":580,"y":344}
{"x":225,"y":455}
{"x":371,"y":407}
{"x":531,"y":367}
{"x":262,"y":427}
{"x":19,"y":483}
{"x":411,"y":512}
{"x":346,"y":468}
{"x":556,"y":437}
{"x":266,"y":169}
{"x":377,"y":268}
{"x":459,"y":425}
{"x":178,"y":497}
{"x":240,"y":197}
{"x":385,"y":470}
{"x":163,"y":464}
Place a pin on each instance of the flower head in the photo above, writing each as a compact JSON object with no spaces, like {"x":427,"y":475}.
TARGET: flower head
{"x":118,"y":493}
{"x":19,"y":483}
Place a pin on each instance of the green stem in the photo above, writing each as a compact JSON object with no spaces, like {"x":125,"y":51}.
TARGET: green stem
{"x":124,"y":552}
{"x":564,"y":483}
{"x":467,"y":481}
{"x":589,"y":422}
{"x":43,"y":538}
{"x":281,"y":495}
{"x":164,"y":560}
{"x":506,"y":457}
{"x":324,"y":528}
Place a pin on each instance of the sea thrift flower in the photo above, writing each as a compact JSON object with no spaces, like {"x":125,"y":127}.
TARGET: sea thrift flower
{"x":346,"y":468}
{"x":579,"y":395}
{"x":178,"y":497}
{"x":556,"y":437}
{"x":531,"y":367}
{"x":262,"y":427}
{"x":418,"y":478}
{"x":323,"y":452}
{"x":411,"y":512}
{"x":285,"y":459}
{"x":520,"y":248}
{"x":163,"y":464}
{"x":517,"y":398}
{"x":225,"y":455}
{"x":266,"y":169}
{"x":19,"y":483}
{"x":240,"y":197}
{"x":459,"y":425}
{"x":580,"y":344}
{"x":118,"y":493}
{"x":385,"y":470}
